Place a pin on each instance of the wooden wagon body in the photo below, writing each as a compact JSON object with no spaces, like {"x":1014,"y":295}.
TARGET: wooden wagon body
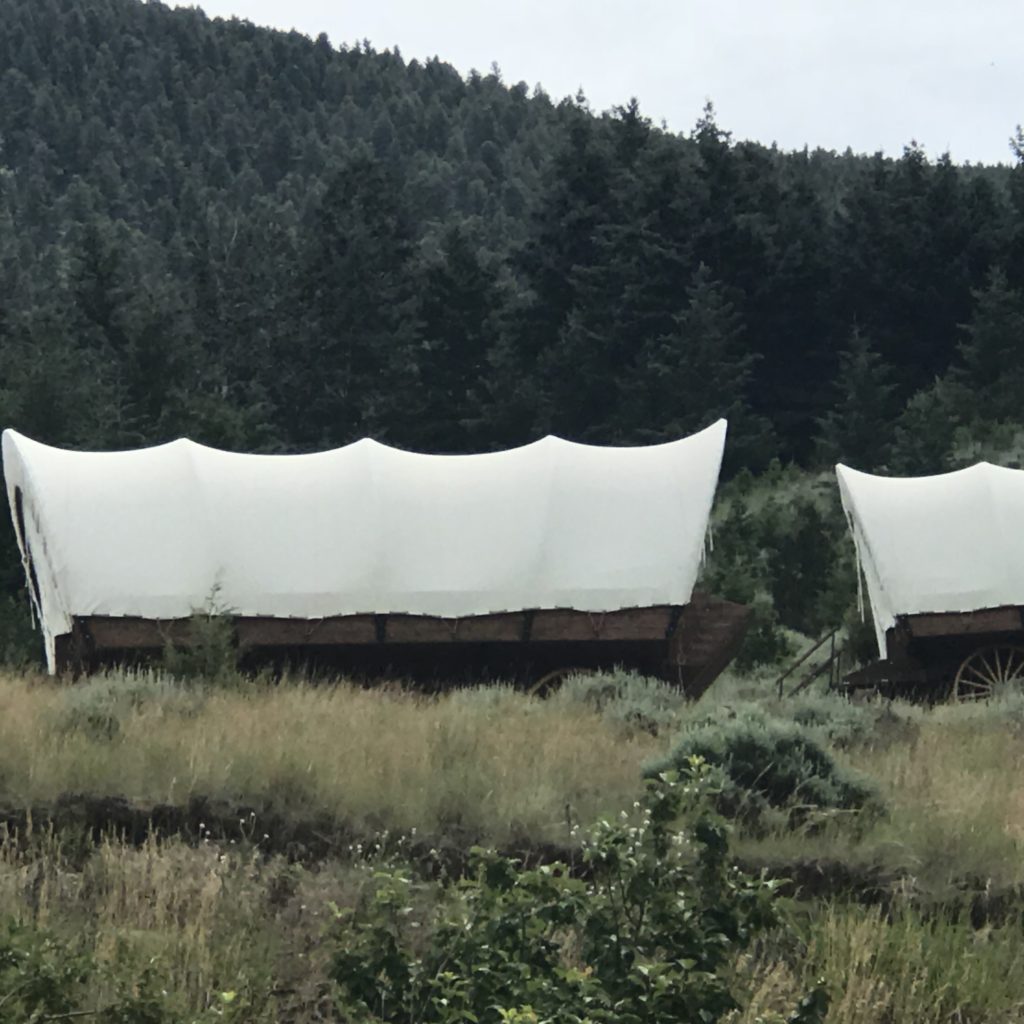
{"x":687,"y":645}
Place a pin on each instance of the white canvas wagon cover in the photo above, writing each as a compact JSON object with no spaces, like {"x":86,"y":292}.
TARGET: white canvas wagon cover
{"x":361,"y":529}
{"x":947,"y":543}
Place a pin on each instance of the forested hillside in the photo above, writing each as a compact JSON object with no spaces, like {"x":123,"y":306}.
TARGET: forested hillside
{"x":265,"y":242}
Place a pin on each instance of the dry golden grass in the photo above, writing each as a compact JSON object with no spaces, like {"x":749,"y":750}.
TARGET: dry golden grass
{"x":956,"y":796}
{"x":490,"y":764}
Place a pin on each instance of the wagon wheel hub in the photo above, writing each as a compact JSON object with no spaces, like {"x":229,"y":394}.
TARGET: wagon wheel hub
{"x":989,"y":672}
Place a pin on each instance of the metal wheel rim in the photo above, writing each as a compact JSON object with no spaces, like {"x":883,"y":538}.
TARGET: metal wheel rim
{"x":989,"y":671}
{"x":549,"y":682}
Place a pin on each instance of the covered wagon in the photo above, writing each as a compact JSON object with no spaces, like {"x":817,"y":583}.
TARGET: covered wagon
{"x":942,"y":558}
{"x":522,"y":564}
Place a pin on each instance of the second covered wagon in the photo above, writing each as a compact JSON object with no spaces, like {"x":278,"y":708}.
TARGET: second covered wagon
{"x":523,"y":564}
{"x":943,"y":562}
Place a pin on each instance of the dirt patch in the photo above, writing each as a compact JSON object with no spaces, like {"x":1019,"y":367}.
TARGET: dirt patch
{"x":85,"y":820}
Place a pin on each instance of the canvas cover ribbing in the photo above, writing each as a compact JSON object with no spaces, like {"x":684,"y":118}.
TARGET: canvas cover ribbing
{"x":947,"y":543}
{"x":361,"y":529}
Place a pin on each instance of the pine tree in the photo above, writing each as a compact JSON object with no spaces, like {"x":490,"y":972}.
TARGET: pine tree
{"x":540,"y":353}
{"x":993,"y":351}
{"x":697,"y":372}
{"x":352,"y":366}
{"x":1015,"y":254}
{"x":565,"y":222}
{"x":461,"y":312}
{"x":923,"y":435}
{"x":858,"y":428}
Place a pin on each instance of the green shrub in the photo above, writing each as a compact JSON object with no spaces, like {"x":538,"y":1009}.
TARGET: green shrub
{"x":766,"y":642}
{"x":98,"y":706}
{"x":782,"y":547}
{"x":844,"y":724}
{"x":1006,"y":709}
{"x":650,"y":933}
{"x":627,"y":699}
{"x":861,"y":645}
{"x":209,"y":654}
{"x":486,"y":697}
{"x":44,"y":978}
{"x":831,"y":717}
{"x":39,"y":978}
{"x":20,"y":644}
{"x":765,"y":764}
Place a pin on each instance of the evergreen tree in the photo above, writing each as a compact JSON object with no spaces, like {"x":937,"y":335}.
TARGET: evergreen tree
{"x":353,"y":363}
{"x":925,"y":431}
{"x":697,"y":372}
{"x":194,"y":239}
{"x":461,"y":313}
{"x":1015,"y":250}
{"x":858,"y":428}
{"x":565,"y":221}
{"x":993,"y":351}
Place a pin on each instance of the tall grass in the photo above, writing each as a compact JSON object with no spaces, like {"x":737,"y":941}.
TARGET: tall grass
{"x":492,"y":765}
{"x":897,"y":966}
{"x":489,"y":765}
{"x":203,"y":919}
{"x":956,"y":793}
{"x":950,"y":777}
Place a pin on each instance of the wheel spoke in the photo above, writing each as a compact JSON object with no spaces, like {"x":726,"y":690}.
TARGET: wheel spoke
{"x":976,"y":684}
{"x":1014,"y":666}
{"x":993,"y":671}
{"x":983,"y":670}
{"x":989,"y":670}
{"x":974,"y":693}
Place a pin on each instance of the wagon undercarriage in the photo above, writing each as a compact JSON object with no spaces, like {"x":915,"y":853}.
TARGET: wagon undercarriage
{"x":964,"y":656}
{"x":688,"y":645}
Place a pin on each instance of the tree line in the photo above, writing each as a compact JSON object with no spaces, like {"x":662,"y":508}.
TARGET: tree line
{"x":268,"y":242}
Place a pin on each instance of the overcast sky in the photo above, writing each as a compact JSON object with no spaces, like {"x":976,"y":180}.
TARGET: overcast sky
{"x":869,"y":74}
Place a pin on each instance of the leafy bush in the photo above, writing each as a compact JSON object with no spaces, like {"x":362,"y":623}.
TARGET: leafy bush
{"x":649,"y":933}
{"x":20,"y":644}
{"x":842,"y":723}
{"x":44,"y":977}
{"x":39,"y":978}
{"x":624,"y":698}
{"x":766,"y":642}
{"x":831,"y":717}
{"x":210,"y":653}
{"x":861,"y":645}
{"x":765,"y":763}
{"x":98,"y":706}
{"x":784,"y":550}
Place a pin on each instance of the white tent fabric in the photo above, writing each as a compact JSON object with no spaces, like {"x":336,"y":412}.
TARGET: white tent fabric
{"x":364,"y":528}
{"x":947,"y":543}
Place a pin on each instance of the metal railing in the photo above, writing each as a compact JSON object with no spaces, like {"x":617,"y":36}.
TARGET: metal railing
{"x":831,"y":665}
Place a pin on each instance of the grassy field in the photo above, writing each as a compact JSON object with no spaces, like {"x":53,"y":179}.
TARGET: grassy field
{"x":482,"y":765}
{"x":909,"y":913}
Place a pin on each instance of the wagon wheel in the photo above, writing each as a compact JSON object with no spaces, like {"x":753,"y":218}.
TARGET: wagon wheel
{"x":989,"y":671}
{"x":550,"y":681}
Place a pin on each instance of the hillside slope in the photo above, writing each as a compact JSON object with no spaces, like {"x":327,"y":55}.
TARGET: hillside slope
{"x":266,"y":242}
